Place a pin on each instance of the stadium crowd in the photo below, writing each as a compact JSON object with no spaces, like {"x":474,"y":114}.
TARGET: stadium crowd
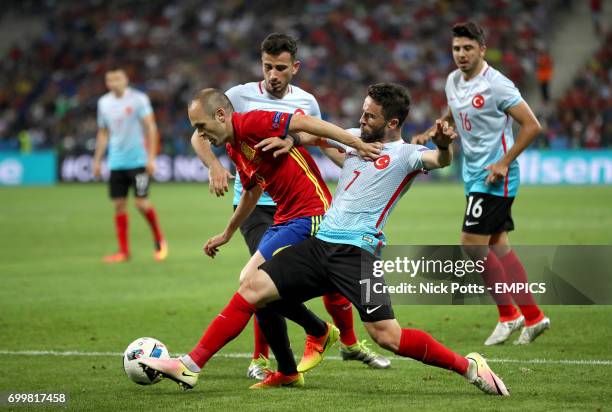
{"x":583,"y":116}
{"x":50,"y":85}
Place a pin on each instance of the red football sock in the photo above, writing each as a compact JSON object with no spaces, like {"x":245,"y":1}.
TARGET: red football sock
{"x":341,"y":312}
{"x":121,"y":227}
{"x":494,"y":273}
{"x":420,"y":346}
{"x":261,"y":344}
{"x":515,"y":272}
{"x":154,"y":224}
{"x":225,"y":327}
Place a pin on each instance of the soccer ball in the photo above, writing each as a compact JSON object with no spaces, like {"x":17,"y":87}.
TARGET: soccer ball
{"x":143,"y":348}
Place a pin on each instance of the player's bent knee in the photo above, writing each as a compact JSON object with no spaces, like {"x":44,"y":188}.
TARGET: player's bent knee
{"x":258,"y":289}
{"x":249,"y":293}
{"x":474,"y":251}
{"x":499,"y":244}
{"x":120,"y":205}
{"x":384,"y":340}
{"x":252,"y":266}
{"x":245,"y":273}
{"x":142,"y":203}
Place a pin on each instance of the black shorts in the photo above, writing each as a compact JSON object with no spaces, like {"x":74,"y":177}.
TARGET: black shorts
{"x":314,"y":268}
{"x":254,"y":227}
{"x":487,"y":214}
{"x":121,"y":180}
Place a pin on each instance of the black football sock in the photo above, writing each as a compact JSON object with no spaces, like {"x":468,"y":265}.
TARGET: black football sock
{"x":274,"y":327}
{"x":300,"y":314}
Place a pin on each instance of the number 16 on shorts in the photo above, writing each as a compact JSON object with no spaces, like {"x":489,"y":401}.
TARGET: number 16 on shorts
{"x":473,"y":210}
{"x":487,"y":214}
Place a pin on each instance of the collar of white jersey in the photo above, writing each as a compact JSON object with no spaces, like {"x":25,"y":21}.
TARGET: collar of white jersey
{"x":264,"y":91}
{"x":127,"y":90}
{"x":393,"y":143}
{"x":485,"y":67}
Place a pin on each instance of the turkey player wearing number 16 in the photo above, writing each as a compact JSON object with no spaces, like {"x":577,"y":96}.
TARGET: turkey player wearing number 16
{"x":482,"y":102}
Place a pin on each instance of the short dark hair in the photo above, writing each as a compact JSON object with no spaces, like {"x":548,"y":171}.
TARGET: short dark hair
{"x":212,"y":99}
{"x":470,"y":30}
{"x":116,"y":68}
{"x":277,"y":43}
{"x":394,"y":99}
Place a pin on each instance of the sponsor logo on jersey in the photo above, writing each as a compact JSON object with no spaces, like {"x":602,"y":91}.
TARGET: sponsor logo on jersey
{"x":382,"y":162}
{"x":129,"y":110}
{"x":478,"y":101}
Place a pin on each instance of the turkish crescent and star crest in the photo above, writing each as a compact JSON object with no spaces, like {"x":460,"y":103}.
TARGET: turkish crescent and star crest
{"x":382,"y":162}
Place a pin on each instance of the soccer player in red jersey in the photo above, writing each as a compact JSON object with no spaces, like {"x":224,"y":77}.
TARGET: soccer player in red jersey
{"x":295,"y":184}
{"x":276,"y":93}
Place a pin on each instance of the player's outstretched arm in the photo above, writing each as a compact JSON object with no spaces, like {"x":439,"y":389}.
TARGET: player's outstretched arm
{"x":283,"y":146}
{"x":101,"y":144}
{"x":247,"y":203}
{"x":529,"y":130}
{"x":318,"y":127}
{"x":427,"y":134}
{"x":217,"y":175}
{"x":443,"y":137}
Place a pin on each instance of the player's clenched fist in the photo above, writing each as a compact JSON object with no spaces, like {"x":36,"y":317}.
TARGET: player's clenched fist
{"x":443,"y":135}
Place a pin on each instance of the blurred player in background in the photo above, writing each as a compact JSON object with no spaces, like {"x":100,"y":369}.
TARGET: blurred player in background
{"x":275,"y":93}
{"x":126,"y":126}
{"x":351,"y":234}
{"x":483,"y":103}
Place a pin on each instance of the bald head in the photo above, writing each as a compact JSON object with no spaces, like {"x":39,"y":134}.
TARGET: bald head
{"x":210,"y":112}
{"x":210,"y":100}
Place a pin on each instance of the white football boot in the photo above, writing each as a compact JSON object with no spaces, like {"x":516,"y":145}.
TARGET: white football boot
{"x":529,"y":333}
{"x":360,"y":352}
{"x":503,"y":330}
{"x":480,"y":375}
{"x":173,"y":369}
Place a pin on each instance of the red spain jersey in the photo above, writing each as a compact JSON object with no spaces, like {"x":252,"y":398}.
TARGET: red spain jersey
{"x":293,"y":180}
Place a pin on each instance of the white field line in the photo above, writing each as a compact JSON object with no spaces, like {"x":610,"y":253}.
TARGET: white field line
{"x":597,"y":362}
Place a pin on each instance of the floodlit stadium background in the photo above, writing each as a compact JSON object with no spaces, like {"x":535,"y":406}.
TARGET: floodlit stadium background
{"x":56,"y":52}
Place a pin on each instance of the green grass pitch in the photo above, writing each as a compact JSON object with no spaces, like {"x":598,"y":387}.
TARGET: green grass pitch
{"x":56,"y":295}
